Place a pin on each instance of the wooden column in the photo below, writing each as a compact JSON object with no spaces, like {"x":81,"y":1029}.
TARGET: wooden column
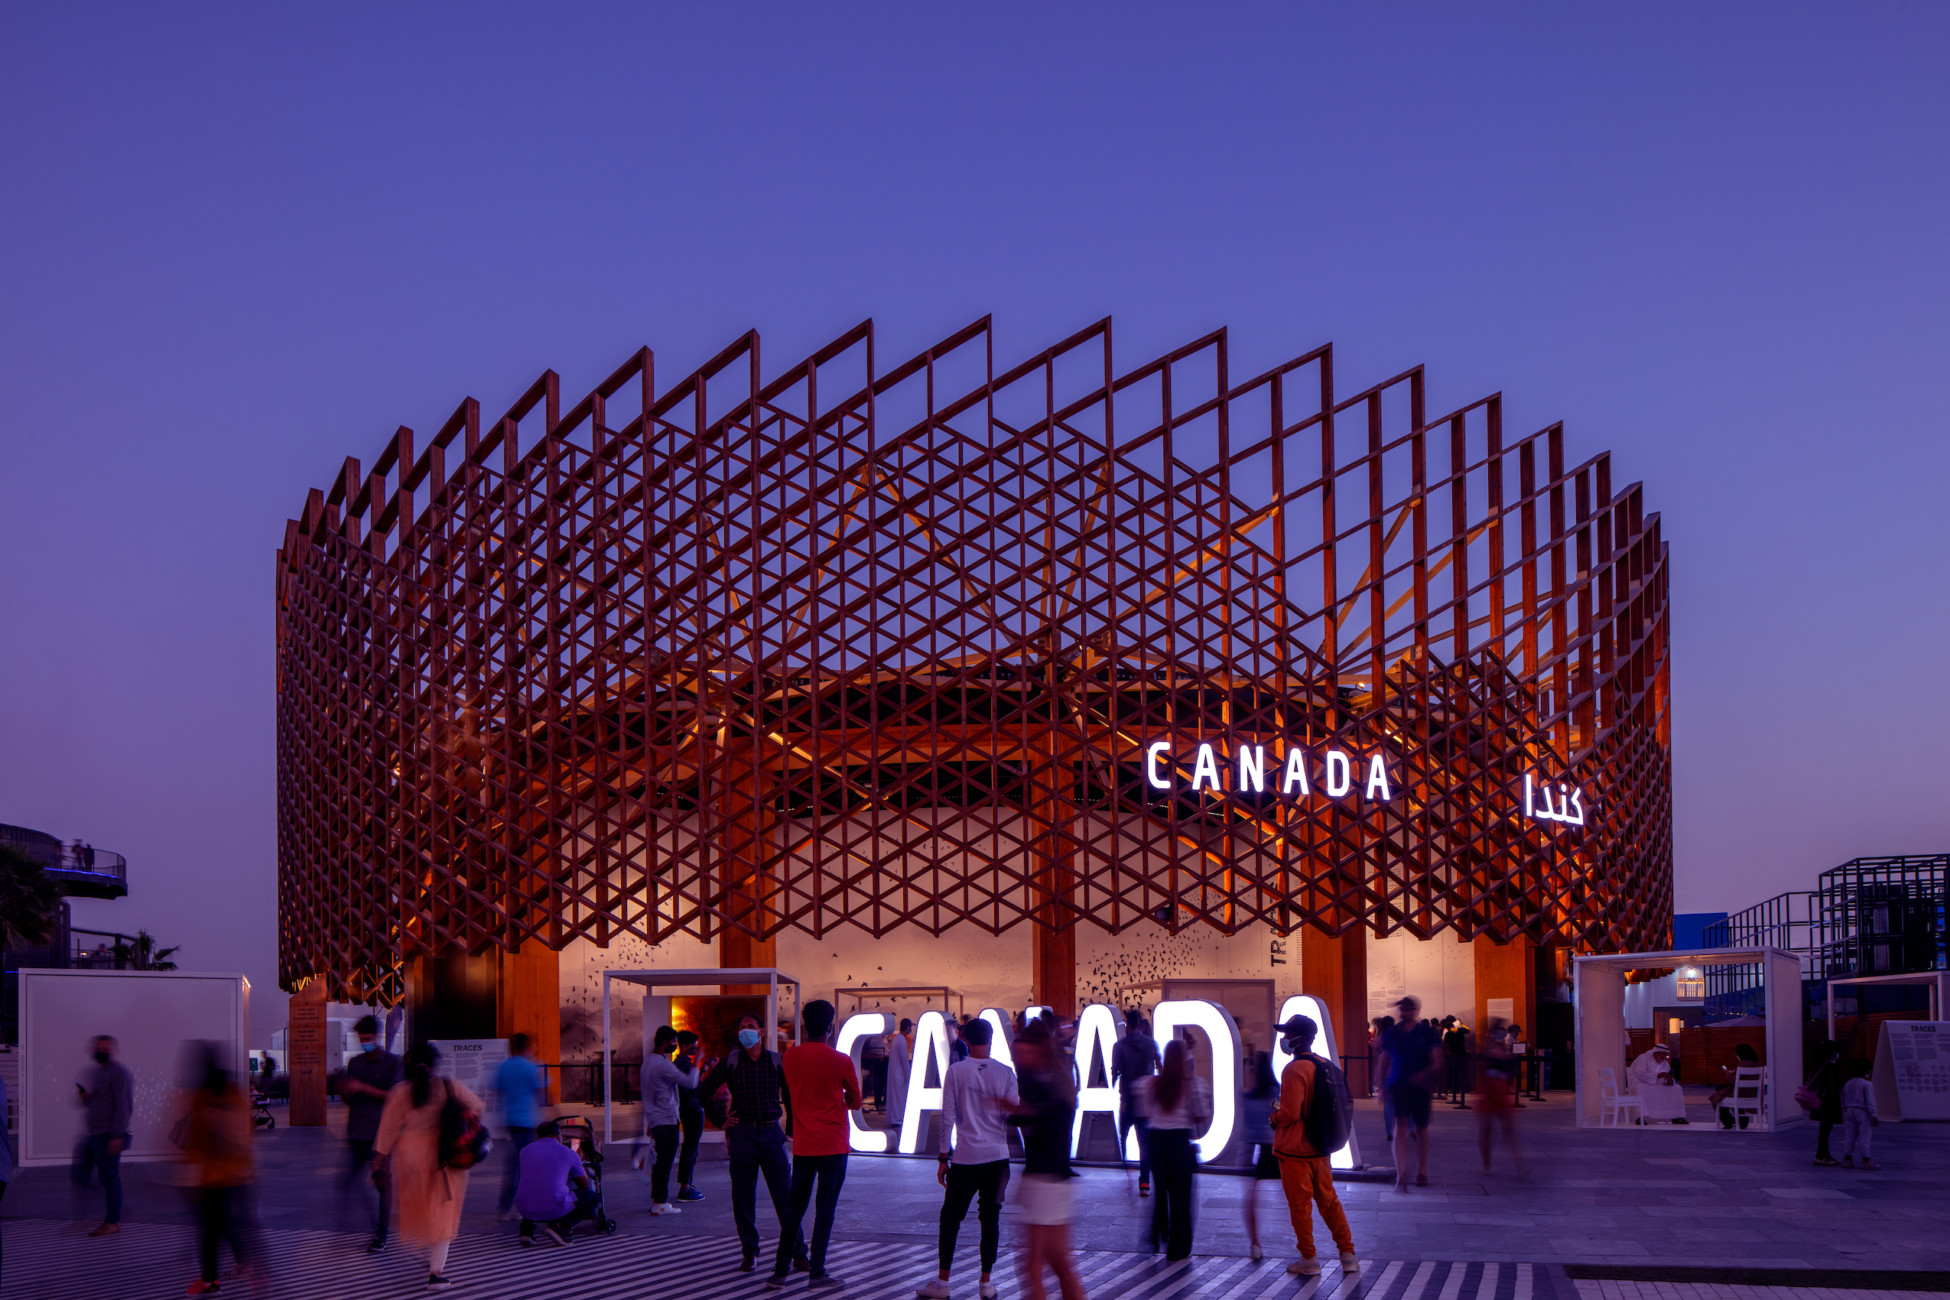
{"x":1334,"y":968}
{"x":1053,"y":940}
{"x":1506,"y":970}
{"x":745,"y":794}
{"x":529,"y":1002}
{"x":304,"y":1045}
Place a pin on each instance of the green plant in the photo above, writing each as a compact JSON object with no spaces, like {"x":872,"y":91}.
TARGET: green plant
{"x":30,"y":901}
{"x":143,"y":954}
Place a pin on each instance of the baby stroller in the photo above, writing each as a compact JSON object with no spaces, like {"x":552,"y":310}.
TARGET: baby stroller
{"x":261,"y":1116}
{"x":580,"y":1136}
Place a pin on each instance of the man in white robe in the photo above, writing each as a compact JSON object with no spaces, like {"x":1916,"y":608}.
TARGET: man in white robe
{"x":1659,"y":1097}
{"x":899,"y":1058}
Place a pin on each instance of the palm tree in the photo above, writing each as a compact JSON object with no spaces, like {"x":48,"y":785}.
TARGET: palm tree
{"x":30,"y":901}
{"x":143,"y":954}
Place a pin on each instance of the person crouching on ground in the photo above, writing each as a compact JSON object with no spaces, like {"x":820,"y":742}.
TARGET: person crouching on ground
{"x":975,"y":1100}
{"x":553,"y":1191}
{"x":1305,"y":1172}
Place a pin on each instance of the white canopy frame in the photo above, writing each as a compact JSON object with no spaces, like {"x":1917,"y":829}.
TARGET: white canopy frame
{"x":770,"y":976}
{"x":1599,"y":1002}
{"x":1937,"y":981}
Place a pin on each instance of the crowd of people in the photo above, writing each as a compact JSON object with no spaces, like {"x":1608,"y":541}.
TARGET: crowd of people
{"x":414,"y":1136}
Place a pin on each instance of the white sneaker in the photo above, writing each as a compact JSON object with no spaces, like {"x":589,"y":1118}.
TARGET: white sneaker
{"x":1256,"y":1252}
{"x":663,"y":1207}
{"x":1306,"y":1266}
{"x":1350,"y":1262}
{"x":988,"y":1291}
{"x":933,"y":1289}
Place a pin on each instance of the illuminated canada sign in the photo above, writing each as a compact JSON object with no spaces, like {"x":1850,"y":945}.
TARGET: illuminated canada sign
{"x":1294,"y":774}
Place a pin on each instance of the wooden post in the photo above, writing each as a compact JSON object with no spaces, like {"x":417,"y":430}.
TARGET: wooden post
{"x":1505,"y":970}
{"x":530,"y":1002}
{"x":1334,"y":968}
{"x":304,"y":1043}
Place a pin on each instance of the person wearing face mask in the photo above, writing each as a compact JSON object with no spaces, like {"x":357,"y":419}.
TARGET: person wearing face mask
{"x":368,"y":1077}
{"x":754,"y":1139}
{"x":107,"y":1097}
{"x":1306,"y":1174}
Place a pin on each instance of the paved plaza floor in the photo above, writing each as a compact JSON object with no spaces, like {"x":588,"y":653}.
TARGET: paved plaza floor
{"x":1602,"y":1215}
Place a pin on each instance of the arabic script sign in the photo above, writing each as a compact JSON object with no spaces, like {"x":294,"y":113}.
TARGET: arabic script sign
{"x":1540,"y":804}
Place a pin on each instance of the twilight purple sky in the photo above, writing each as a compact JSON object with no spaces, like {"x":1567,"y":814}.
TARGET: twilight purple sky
{"x":237,"y":245}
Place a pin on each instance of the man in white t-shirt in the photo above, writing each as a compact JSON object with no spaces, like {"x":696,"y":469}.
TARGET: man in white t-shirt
{"x":974,"y":1152}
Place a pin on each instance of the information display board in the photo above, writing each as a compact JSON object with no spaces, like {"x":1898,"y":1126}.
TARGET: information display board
{"x":1912,"y":1074}
{"x":471,"y":1061}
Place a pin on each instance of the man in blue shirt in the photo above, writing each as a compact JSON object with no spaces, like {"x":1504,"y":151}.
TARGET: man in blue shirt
{"x":519,"y":1081}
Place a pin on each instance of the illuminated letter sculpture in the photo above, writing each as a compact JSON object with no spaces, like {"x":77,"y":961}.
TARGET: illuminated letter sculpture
{"x":1096,"y":1037}
{"x":1212,"y":1020}
{"x":859,"y":1027}
{"x":1348,"y":1157}
{"x":930,"y":1042}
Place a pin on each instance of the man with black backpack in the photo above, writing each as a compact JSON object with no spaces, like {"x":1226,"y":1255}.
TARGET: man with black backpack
{"x":1312,"y":1121}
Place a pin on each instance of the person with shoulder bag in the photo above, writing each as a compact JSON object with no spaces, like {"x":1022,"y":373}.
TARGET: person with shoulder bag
{"x":430,"y":1135}
{"x":1821,"y":1097}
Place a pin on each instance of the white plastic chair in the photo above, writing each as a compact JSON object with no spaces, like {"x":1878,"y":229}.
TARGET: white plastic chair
{"x":1614,"y":1102}
{"x":1748,"y":1095}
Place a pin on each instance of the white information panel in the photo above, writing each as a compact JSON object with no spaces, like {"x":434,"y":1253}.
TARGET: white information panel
{"x":155,"y":1016}
{"x":1913,"y":1070}
{"x":471,"y":1061}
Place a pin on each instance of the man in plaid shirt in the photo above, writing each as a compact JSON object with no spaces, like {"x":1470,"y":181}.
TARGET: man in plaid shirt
{"x":754,"y":1137}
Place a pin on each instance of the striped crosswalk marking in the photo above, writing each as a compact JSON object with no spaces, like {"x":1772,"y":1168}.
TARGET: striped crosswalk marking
{"x":46,"y":1260}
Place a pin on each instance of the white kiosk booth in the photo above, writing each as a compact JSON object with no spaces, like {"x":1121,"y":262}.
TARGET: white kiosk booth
{"x":770,"y":976}
{"x":1599,"y":1001}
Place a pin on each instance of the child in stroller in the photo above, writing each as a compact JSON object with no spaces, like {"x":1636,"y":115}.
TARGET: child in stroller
{"x":563,"y":1161}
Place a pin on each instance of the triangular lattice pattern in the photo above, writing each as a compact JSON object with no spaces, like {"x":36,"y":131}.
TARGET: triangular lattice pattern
{"x":845,"y":647}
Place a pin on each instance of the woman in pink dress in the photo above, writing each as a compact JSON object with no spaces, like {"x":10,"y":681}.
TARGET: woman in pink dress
{"x":407,"y":1151}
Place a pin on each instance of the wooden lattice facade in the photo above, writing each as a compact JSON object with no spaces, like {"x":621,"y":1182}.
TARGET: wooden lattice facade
{"x":852,"y":647}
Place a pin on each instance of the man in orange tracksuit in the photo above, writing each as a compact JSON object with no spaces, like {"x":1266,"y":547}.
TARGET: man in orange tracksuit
{"x":1305,"y":1175}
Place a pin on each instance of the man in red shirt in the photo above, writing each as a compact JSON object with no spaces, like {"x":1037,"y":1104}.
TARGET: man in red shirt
{"x":823,"y":1086}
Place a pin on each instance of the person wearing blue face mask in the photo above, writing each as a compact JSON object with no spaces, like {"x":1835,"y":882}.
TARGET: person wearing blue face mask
{"x":368,"y":1077}
{"x":754,"y":1139}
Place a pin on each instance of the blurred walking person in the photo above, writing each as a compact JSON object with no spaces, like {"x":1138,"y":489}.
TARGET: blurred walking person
{"x":6,"y":1146}
{"x":1177,"y":1103}
{"x":428,"y":1188}
{"x":523,"y":1091}
{"x":1133,"y":1060}
{"x":1411,"y":1073}
{"x":364,"y":1086}
{"x":690,"y":1120}
{"x":976,"y":1099}
{"x":1045,"y":1111}
{"x":1826,"y":1086}
{"x":1301,"y":1123}
{"x":106,"y":1094}
{"x":1495,"y":1094}
{"x":215,"y":1136}
{"x":1256,"y":1116}
{"x":824,"y":1086}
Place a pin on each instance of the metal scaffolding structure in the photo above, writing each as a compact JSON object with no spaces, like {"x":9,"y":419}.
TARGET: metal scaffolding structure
{"x":846,"y":646}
